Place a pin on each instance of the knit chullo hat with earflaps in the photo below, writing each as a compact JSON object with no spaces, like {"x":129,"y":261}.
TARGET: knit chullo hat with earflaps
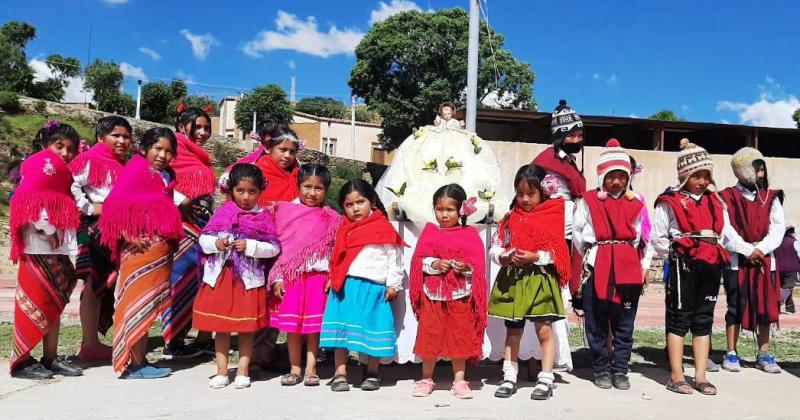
{"x":563,"y":121}
{"x":693,"y":158}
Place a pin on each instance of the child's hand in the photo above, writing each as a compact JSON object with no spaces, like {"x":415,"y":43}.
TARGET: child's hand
{"x":222,"y":244}
{"x":441,"y":265}
{"x":240,"y":245}
{"x":505,"y":257}
{"x":646,"y":276}
{"x":53,"y":241}
{"x":460,"y":267}
{"x":391,"y":294}
{"x":138,"y":245}
{"x":327,"y":287}
{"x":278,"y":290}
{"x":522,"y":258}
{"x":97,"y":209}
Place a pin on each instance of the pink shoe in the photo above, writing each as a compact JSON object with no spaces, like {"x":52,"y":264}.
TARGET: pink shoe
{"x":101,"y":353}
{"x":423,"y":388}
{"x":461,"y":390}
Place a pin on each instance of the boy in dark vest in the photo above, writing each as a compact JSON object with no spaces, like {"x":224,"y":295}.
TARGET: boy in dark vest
{"x":687,"y":228}
{"x":787,"y":261}
{"x":757,"y":228}
{"x":606,"y":233}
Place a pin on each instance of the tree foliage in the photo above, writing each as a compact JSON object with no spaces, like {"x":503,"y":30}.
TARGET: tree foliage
{"x":796,"y":117}
{"x":411,"y":62}
{"x":105,"y":78}
{"x":18,"y":33}
{"x":666,"y":115}
{"x":156,"y":98}
{"x":321,"y":107}
{"x":15,"y":73}
{"x":268,"y":102}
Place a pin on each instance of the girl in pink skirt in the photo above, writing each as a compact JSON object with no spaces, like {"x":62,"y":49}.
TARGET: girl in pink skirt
{"x":300,"y":278}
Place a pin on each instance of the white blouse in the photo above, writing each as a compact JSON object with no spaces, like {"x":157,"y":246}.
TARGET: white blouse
{"x":254,"y":249}
{"x":35,"y":236}
{"x":736,"y":245}
{"x":427,"y":268}
{"x":85,"y":194}
{"x":382,"y":264}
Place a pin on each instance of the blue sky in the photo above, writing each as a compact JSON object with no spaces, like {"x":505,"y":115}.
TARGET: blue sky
{"x":721,"y":61}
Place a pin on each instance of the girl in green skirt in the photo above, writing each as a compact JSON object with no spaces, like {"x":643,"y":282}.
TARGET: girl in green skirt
{"x":534,"y":258}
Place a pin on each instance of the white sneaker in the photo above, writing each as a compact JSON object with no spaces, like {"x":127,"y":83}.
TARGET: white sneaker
{"x":241,"y":382}
{"x":219,"y":381}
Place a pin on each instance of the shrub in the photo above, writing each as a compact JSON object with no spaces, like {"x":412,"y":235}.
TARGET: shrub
{"x":39,"y":106}
{"x":346,"y":172}
{"x":9,"y":102}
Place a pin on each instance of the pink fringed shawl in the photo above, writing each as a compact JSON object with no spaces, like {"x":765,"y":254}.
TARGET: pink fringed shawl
{"x":104,"y":165}
{"x":306,"y":235}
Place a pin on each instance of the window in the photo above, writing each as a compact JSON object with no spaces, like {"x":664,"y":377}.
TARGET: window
{"x":329,"y":146}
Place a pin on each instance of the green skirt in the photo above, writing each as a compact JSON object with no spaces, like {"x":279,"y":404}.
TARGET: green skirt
{"x":526,"y":293}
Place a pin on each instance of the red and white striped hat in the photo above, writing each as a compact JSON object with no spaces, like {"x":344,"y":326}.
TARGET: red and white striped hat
{"x":613,"y":158}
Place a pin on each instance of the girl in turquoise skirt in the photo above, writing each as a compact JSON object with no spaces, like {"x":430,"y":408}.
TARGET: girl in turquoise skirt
{"x":530,"y":248}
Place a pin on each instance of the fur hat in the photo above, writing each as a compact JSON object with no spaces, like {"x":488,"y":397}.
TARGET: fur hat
{"x":692,"y":158}
{"x":742,"y":164}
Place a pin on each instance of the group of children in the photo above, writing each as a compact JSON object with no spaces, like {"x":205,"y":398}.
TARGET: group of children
{"x":273,"y":254}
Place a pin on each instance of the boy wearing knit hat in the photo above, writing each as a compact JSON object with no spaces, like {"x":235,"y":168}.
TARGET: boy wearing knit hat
{"x":559,"y":161}
{"x":757,"y":228}
{"x":687,"y":228}
{"x":606,"y":233}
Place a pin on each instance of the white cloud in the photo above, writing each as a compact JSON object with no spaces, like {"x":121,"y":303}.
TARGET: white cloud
{"x":187,"y":78}
{"x":132,"y":72}
{"x":150,"y":53}
{"x":724,"y":121}
{"x":293,"y":33}
{"x":596,"y":76}
{"x":633,"y":116}
{"x":73,"y":92}
{"x":114,"y":2}
{"x":394,"y":7}
{"x":612,"y":80}
{"x":201,"y":44}
{"x":773,"y":108}
{"x":292,"y":64}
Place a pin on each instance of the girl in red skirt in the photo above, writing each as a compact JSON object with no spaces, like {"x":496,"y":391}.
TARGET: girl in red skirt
{"x":233,"y":297}
{"x":449,"y":291}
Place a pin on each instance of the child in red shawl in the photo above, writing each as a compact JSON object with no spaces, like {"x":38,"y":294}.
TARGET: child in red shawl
{"x":366,"y":275}
{"x":95,"y":173}
{"x":141,"y":225}
{"x":299,"y":277}
{"x":43,"y":223}
{"x":448,"y":291}
{"x":535,"y":264}
{"x":194,"y":189}
{"x":237,"y":241}
{"x":277,"y":159}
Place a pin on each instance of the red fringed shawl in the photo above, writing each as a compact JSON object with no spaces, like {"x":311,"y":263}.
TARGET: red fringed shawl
{"x":459,"y":243}
{"x":194,"y":175}
{"x":45,"y":184}
{"x":565,"y":168}
{"x":352,"y":237}
{"x":139,"y":205}
{"x":541,"y":229}
{"x":281,"y":184}
{"x":104,"y":165}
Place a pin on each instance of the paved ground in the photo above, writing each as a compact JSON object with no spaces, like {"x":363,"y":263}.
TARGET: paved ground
{"x":186,"y":395}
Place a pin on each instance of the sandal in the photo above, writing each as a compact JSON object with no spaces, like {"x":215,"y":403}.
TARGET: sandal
{"x":706,"y":388}
{"x":290,"y":379}
{"x":506,"y":391}
{"x":371,"y":384}
{"x":311,"y":379}
{"x":680,"y":387}
{"x":339,"y":385}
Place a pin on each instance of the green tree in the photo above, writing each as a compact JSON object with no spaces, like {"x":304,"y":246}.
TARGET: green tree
{"x":796,"y":117}
{"x":178,"y":88}
{"x":411,"y":62}
{"x":268,"y":102}
{"x":156,"y":98}
{"x":666,"y":115}
{"x":62,"y":68}
{"x":321,"y":107}
{"x":104,"y":78}
{"x":118,"y":103}
{"x":364,"y":114}
{"x":15,"y":73}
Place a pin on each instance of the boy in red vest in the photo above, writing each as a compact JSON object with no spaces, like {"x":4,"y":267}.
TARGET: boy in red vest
{"x":606,"y":230}
{"x":687,"y":227}
{"x":757,"y":228}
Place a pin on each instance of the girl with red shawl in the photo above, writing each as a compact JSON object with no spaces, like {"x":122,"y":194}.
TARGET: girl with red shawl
{"x":141,"y":225}
{"x":448,"y":291}
{"x":95,"y":172}
{"x":300,"y":279}
{"x":43,"y":223}
{"x":277,"y":159}
{"x":535,"y":264}
{"x":194,"y":189}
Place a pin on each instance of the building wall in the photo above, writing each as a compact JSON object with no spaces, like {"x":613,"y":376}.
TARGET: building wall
{"x":227,"y":113}
{"x":659,"y":171}
{"x":308,"y":131}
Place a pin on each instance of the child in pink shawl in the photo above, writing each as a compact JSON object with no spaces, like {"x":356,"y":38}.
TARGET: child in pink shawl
{"x":300,"y":278}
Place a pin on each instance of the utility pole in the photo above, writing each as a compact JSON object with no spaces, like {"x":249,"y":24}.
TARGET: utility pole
{"x":293,"y":98}
{"x":472,"y":64}
{"x":353,"y":125}
{"x":138,"y":98}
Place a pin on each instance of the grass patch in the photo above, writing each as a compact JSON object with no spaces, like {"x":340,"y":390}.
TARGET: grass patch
{"x":25,"y":126}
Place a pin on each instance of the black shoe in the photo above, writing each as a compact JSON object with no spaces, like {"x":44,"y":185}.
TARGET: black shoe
{"x":539,"y":394}
{"x":505,"y":391}
{"x":620,"y":381}
{"x":31,"y":369}
{"x":603,"y":381}
{"x":182,"y":351}
{"x":62,"y":366}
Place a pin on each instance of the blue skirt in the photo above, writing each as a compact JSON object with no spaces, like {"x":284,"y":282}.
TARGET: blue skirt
{"x":358,"y":318}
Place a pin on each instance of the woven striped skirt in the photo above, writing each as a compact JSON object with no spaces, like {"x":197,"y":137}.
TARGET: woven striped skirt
{"x":184,"y":284}
{"x":142,"y":294}
{"x":96,"y":267}
{"x":44,"y":284}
